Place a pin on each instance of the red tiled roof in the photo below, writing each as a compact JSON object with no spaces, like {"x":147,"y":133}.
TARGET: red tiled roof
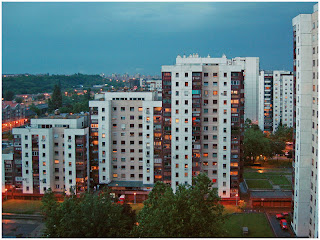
{"x":9,"y":103}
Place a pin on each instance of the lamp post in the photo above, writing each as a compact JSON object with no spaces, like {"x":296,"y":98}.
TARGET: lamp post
{"x":134,"y":194}
{"x":237,"y":199}
{"x":6,"y":191}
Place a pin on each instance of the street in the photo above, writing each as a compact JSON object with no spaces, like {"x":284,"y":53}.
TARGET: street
{"x":21,"y":228}
{"x":275,"y":224}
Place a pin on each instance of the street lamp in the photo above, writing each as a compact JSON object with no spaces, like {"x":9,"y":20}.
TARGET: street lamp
{"x":134,"y":194}
{"x":237,"y":199}
{"x":6,"y":191}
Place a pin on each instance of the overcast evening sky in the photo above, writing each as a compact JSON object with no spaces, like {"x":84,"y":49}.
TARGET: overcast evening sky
{"x":67,"y":38}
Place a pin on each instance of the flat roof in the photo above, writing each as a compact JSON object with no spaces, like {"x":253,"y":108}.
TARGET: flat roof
{"x":270,"y":194}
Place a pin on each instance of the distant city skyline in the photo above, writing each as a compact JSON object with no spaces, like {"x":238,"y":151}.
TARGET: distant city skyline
{"x":94,"y":38}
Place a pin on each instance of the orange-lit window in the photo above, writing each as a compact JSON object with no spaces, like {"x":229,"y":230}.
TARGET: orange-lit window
{"x":234,"y":164}
{"x":186,"y":174}
{"x":94,"y":125}
{"x":167,"y":109}
{"x":140,"y":109}
{"x":205,"y":155}
{"x":177,"y":165}
{"x":115,"y":175}
{"x":44,"y":163}
{"x":103,"y":135}
{"x":205,"y":163}
{"x":234,"y":101}
{"x":186,"y":156}
{"x":186,"y":166}
{"x":234,"y":173}
{"x":56,"y":161}
{"x":234,"y":110}
{"x":177,"y":120}
{"x":214,"y":163}
{"x":215,"y":92}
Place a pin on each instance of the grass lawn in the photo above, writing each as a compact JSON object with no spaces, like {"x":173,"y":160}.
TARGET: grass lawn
{"x":258,"y":184}
{"x":279,"y":163}
{"x":137,"y":207}
{"x":254,"y":175}
{"x":257,"y":224}
{"x":279,"y":180}
{"x":231,"y":209}
{"x":21,"y":206}
{"x":286,"y":187}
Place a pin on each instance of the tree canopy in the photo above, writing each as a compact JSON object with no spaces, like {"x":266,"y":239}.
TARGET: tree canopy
{"x":90,"y":216}
{"x":193,"y":211}
{"x":56,"y":99}
{"x":256,"y":143}
{"x":8,"y":95}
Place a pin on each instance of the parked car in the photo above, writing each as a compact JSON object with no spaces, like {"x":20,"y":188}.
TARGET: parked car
{"x":283,"y":224}
{"x":279,"y":216}
{"x":285,"y":214}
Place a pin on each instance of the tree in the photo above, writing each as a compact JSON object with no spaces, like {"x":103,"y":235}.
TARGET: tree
{"x":56,"y":99}
{"x":18,"y":99}
{"x":89,"y":216}
{"x":254,"y":143}
{"x":35,"y":109}
{"x":8,"y":95}
{"x":193,"y":211}
{"x":283,"y":133}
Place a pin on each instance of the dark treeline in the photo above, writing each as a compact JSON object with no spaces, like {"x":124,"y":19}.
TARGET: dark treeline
{"x":33,"y":84}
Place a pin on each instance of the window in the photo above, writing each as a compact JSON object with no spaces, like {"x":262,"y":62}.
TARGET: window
{"x":186,"y":84}
{"x":123,"y":109}
{"x":225,"y":74}
{"x":186,"y":74}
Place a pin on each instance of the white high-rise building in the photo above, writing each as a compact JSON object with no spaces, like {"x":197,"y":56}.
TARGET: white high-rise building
{"x":126,"y":140}
{"x":204,"y":110}
{"x":305,"y":196}
{"x":275,"y":100}
{"x":55,"y":154}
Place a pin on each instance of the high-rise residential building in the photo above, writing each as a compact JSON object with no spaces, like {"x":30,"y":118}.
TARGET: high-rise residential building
{"x":203,"y":119}
{"x":275,"y":100}
{"x":305,"y":164}
{"x":53,"y":152}
{"x":126,"y":141}
{"x":11,"y":170}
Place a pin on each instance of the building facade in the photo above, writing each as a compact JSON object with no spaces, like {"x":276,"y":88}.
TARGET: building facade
{"x":54,"y":154}
{"x":126,"y":140}
{"x":203,"y":119}
{"x":305,"y":164}
{"x":275,"y":100}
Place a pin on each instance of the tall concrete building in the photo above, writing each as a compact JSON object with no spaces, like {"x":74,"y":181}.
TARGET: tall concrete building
{"x":53,"y":152}
{"x":126,"y":141}
{"x":203,"y":118}
{"x":275,"y":100}
{"x":305,"y":182}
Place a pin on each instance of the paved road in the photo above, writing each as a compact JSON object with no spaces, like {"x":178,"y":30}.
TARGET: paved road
{"x":21,"y":228}
{"x":275,"y":224}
